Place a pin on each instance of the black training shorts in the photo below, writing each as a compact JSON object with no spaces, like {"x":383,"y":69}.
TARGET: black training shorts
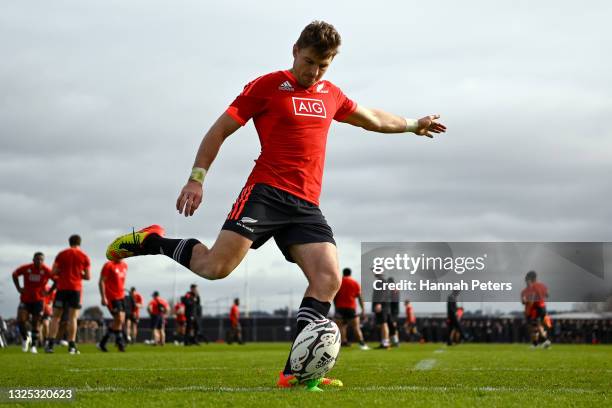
{"x":67,"y":299}
{"x":116,"y":306}
{"x":33,"y":308}
{"x":262,"y":212}
{"x":345,"y":314}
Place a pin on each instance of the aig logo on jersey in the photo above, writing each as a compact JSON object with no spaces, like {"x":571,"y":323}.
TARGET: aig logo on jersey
{"x":309,"y":107}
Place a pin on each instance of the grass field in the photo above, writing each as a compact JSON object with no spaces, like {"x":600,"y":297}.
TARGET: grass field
{"x":413,"y":375}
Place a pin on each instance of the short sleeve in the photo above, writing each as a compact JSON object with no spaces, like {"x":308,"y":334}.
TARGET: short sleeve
{"x":18,"y":272}
{"x":345,"y":106}
{"x":250,"y":102}
{"x":86,"y":261}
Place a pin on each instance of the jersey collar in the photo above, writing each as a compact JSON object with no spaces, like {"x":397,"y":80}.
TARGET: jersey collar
{"x":297,"y":84}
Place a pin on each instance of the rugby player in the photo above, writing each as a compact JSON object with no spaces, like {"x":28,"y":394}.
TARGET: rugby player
{"x":453,"y":320}
{"x":534,"y":298}
{"x":393,"y":316}
{"x":346,"y":308}
{"x":292,"y":111}
{"x":193,"y":311}
{"x":236,"y":328}
{"x":112,"y":295}
{"x":47,"y":312}
{"x":70,"y":268}
{"x":410,"y":325}
{"x":31,"y":298}
{"x":181,"y":323}
{"x":135,"y":302}
{"x":158,"y":310}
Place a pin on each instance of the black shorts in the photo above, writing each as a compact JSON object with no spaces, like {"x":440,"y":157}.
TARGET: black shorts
{"x":157,"y":322}
{"x":382,"y":316}
{"x":33,"y":308}
{"x":134,"y":318}
{"x":345,"y":314}
{"x":262,"y":212}
{"x":116,"y":306}
{"x":67,"y":299}
{"x":537,"y":314}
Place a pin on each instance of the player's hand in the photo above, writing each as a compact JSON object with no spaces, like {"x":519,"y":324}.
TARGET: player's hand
{"x":363,"y":317}
{"x":103,"y":302}
{"x":378,"y":308}
{"x":190,"y":198}
{"x":428,"y":125}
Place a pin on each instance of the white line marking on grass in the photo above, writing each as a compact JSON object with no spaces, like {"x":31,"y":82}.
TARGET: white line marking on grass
{"x":439,"y":351}
{"x":203,"y":368}
{"x":205,"y":388}
{"x":424,"y":365}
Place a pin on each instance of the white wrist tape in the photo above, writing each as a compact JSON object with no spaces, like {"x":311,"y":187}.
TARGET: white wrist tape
{"x":411,"y":125}
{"x":198,"y":174}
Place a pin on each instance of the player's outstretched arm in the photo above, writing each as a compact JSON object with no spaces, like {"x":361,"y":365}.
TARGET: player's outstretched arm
{"x":377,"y":120}
{"x":191,"y":195}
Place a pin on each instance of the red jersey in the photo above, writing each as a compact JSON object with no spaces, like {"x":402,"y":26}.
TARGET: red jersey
{"x":34,"y":281}
{"x":349,"y":290}
{"x":48,"y":302}
{"x":234,"y":315}
{"x":136,"y":299}
{"x":410,"y":317}
{"x":158,"y":306}
{"x":179,"y":311}
{"x":535,"y":294}
{"x":114,"y":280}
{"x":71,"y":263}
{"x":292,"y":123}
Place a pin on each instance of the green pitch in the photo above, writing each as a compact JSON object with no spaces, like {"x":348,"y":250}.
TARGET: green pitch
{"x":413,"y":375}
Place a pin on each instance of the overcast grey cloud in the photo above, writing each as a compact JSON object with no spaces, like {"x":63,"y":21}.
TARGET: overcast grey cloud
{"x":103,"y":105}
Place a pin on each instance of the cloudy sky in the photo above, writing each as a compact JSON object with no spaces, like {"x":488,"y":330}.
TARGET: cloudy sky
{"x":103,"y":105}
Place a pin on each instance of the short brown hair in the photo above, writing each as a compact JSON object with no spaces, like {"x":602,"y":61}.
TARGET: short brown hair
{"x":74,"y":240}
{"x":321,"y":36}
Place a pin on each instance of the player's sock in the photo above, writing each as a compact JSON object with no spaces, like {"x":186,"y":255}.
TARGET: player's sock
{"x":310,"y":309}
{"x":105,"y":338}
{"x":23,"y":330}
{"x":177,"y":249}
{"x":34,"y":337}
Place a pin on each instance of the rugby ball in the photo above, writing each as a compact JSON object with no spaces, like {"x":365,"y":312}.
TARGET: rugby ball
{"x":315,"y":350}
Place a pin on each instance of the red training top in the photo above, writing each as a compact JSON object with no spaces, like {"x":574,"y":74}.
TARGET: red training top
{"x":114,"y":280}
{"x":34,"y":280}
{"x":535,"y":294}
{"x":71,"y":263}
{"x":137,"y":297}
{"x":349,"y":290}
{"x":155,"y":304}
{"x":234,"y":315}
{"x":292,"y":123}
{"x":179,"y":311}
{"x":48,"y":302}
{"x":410,"y":317}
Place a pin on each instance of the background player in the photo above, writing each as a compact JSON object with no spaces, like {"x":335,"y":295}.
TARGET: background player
{"x":235,"y":329}
{"x":181,"y":323}
{"x":393,"y":317}
{"x":453,"y":319}
{"x":112,"y":295}
{"x":134,"y":302}
{"x":158,"y":310}
{"x":193,"y":312}
{"x":70,"y":268}
{"x":534,"y":298}
{"x":410,"y":325}
{"x":47,"y":312}
{"x":31,"y":297}
{"x":346,"y":308}
{"x":292,"y":111}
